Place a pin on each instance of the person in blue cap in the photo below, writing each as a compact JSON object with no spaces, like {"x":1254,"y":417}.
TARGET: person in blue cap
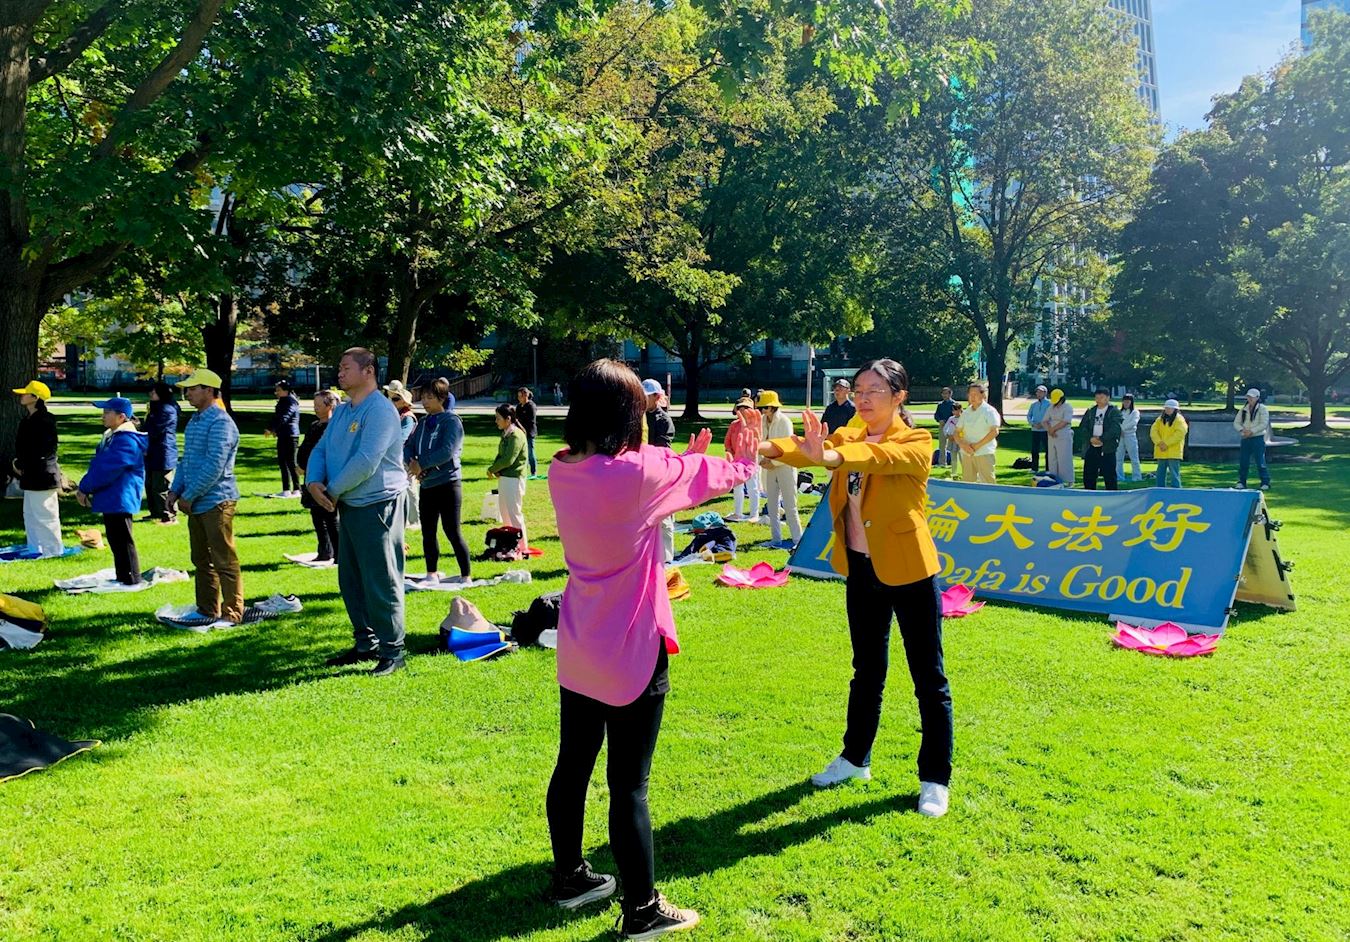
{"x":114,"y":482}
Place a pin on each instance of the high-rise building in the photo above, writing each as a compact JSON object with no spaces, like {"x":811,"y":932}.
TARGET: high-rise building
{"x":1311,"y":6}
{"x":1139,"y":13}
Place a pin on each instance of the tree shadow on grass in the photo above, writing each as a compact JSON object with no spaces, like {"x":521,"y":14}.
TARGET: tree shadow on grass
{"x":68,"y":689}
{"x":513,"y":902}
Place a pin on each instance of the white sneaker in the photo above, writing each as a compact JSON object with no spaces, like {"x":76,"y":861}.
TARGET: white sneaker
{"x":735,"y":518}
{"x":431,"y":578}
{"x":1265,"y":487}
{"x":932,"y":799}
{"x":456,"y":579}
{"x":840,"y":770}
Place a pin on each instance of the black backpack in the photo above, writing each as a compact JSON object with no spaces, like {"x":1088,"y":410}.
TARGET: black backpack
{"x":503,"y":544}
{"x":527,"y":626}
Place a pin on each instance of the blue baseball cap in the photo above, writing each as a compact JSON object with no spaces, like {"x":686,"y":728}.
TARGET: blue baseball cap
{"x":117,"y":404}
{"x":651,"y":387}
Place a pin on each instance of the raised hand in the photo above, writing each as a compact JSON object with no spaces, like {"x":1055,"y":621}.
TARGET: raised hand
{"x":698,"y":444}
{"x":812,"y":440}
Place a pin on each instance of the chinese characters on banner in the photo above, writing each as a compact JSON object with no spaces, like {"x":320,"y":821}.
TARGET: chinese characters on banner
{"x":1164,"y":554}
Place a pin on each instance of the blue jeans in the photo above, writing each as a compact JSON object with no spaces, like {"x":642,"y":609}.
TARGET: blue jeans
{"x":1250,"y":449}
{"x":1169,"y":472}
{"x":529,"y":446}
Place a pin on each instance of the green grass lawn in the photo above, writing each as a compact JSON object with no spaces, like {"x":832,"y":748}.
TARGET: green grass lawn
{"x":244,"y":791}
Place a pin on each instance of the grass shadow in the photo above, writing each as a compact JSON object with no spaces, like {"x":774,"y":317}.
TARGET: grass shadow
{"x":513,"y":902}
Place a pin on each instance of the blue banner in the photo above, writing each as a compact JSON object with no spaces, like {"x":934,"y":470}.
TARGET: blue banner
{"x":1150,"y":555}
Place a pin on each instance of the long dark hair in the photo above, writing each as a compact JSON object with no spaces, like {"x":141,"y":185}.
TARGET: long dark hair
{"x":895,"y":376}
{"x":1122,"y":403}
{"x":606,"y":406}
{"x":1169,"y":419}
{"x":164,"y":392}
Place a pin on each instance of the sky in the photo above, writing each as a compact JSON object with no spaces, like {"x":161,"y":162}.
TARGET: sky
{"x":1205,"y":47}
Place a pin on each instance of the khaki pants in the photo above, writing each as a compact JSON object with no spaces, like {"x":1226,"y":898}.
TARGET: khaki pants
{"x":978,"y":469}
{"x":511,"y":502}
{"x":220,"y":591}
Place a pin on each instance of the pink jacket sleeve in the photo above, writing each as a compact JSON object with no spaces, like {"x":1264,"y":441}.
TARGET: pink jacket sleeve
{"x":671,"y":482}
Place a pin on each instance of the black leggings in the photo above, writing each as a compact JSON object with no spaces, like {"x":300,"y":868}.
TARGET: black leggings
{"x":326,"y":529}
{"x":290,"y":472}
{"x":443,"y":502}
{"x":126,"y":561}
{"x":632,"y":733}
{"x":917,"y":607}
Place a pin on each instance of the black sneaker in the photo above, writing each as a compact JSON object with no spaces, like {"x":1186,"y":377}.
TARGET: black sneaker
{"x":387,"y":666}
{"x":656,"y":918}
{"x":583,"y":885}
{"x":350,"y":657}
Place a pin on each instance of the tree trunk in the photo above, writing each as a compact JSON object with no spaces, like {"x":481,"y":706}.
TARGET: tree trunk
{"x":1231,"y":404}
{"x":19,"y":318}
{"x":403,"y":339}
{"x":1317,"y":403}
{"x":693,"y":371}
{"x":996,"y":358}
{"x":219,"y":338}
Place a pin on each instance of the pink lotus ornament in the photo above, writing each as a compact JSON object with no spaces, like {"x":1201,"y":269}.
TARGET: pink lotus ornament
{"x":957,"y":602}
{"x":758,"y":576}
{"x":1167,"y":639}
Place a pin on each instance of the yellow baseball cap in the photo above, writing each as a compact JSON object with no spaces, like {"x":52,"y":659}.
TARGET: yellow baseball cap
{"x":768,"y":399}
{"x":36,"y":388}
{"x":1056,"y":396}
{"x":201,"y":377}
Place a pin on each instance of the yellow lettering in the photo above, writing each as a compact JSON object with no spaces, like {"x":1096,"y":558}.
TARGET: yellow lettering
{"x":1066,"y":588}
{"x":1177,"y":589}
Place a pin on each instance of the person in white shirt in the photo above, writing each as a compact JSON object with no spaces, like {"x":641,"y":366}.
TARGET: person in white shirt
{"x":977,"y":436}
{"x":1253,"y":424}
{"x":1129,"y":440}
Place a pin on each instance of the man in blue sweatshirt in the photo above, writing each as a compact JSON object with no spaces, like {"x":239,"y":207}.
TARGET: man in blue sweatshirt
{"x":204,"y":488}
{"x":357,"y":467}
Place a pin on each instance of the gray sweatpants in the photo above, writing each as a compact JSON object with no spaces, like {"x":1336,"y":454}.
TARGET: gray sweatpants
{"x":370,"y":574}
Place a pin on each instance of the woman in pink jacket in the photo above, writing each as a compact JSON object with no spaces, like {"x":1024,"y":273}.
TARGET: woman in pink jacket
{"x":616,"y":629}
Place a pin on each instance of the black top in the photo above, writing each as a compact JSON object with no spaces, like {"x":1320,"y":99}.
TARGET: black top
{"x":944,"y":411}
{"x":312,"y":436}
{"x":527,"y":415}
{"x":660,"y":428}
{"x":35,"y":451}
{"x":286,"y":417}
{"x":838,"y":414}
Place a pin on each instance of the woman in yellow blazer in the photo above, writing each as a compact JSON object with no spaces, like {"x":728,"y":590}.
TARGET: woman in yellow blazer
{"x":882,"y":547}
{"x":1169,"y":443}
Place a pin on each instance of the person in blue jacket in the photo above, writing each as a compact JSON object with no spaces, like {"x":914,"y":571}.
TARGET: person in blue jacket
{"x":285,"y":426}
{"x":161,"y":429}
{"x":112,"y":486}
{"x":432,"y":455}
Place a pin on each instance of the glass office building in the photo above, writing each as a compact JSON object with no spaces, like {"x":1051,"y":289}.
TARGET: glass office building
{"x":1139,"y":13}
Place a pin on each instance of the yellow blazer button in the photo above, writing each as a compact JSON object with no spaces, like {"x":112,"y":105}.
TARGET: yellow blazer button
{"x":867,"y":523}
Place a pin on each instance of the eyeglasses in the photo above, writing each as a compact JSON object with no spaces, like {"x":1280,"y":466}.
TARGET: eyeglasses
{"x":873,"y":393}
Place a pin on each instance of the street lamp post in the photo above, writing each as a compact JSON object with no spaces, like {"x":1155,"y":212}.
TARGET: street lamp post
{"x":534,"y":363}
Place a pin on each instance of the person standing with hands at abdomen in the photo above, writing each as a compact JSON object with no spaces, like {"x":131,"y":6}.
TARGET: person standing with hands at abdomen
{"x":882,"y":547}
{"x":357,"y":468}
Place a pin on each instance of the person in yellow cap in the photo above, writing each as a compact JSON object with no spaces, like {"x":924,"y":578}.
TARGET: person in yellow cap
{"x":205,"y":489}
{"x":38,"y":473}
{"x":1058,"y":424}
{"x":780,"y":480}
